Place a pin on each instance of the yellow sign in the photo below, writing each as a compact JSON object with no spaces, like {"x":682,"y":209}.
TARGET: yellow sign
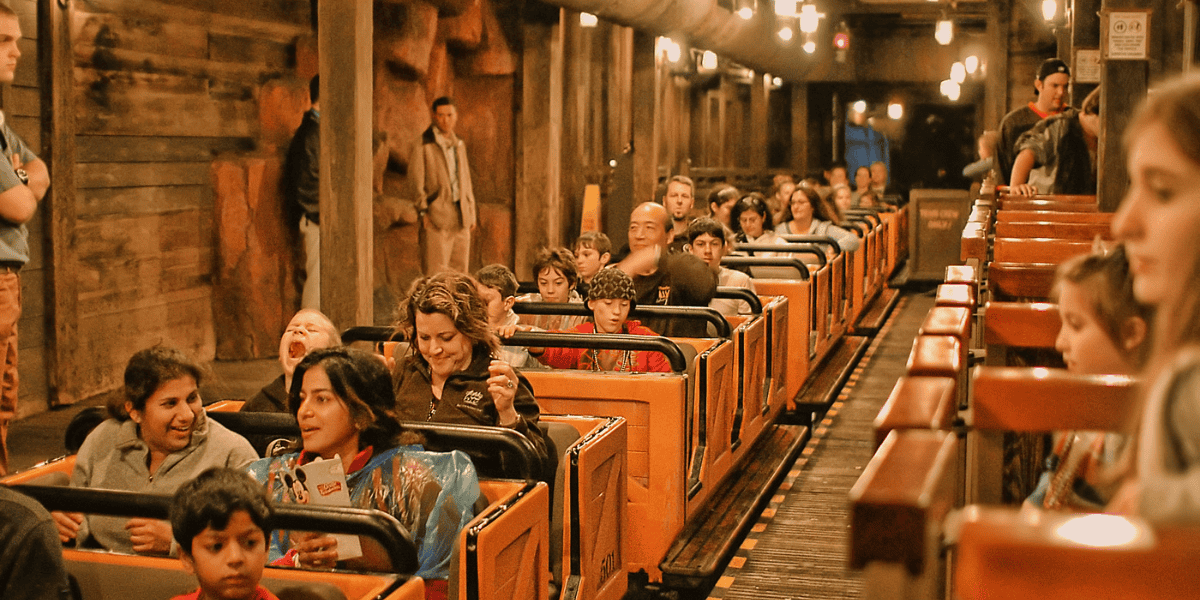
{"x":591,"y":208}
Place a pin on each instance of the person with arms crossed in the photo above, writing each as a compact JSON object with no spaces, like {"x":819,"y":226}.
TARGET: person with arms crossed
{"x":24,"y":180}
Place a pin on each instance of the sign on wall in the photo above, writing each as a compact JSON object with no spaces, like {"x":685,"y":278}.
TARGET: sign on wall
{"x":1125,"y":34}
{"x":1087,"y":65}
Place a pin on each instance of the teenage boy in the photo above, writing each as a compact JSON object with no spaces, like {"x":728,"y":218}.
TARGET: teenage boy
{"x":219,"y":520}
{"x":610,"y":300}
{"x":593,"y":250}
{"x":497,"y":287}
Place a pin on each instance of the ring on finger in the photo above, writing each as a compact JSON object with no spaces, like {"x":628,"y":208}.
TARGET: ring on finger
{"x":509,"y":384}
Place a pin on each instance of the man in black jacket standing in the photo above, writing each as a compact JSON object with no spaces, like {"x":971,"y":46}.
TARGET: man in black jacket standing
{"x":302,"y":192}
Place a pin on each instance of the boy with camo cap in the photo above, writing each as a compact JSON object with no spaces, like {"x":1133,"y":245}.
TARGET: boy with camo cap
{"x":610,"y":299}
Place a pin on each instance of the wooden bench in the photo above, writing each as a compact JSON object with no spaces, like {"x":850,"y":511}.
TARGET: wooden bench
{"x":1047,"y":205}
{"x":918,"y":403}
{"x":1046,"y":229}
{"x":1051,"y":251}
{"x":897,"y":507}
{"x":935,"y":356}
{"x":1036,"y":400}
{"x":1003,"y":553}
{"x":1047,"y":216}
{"x":1027,"y":281}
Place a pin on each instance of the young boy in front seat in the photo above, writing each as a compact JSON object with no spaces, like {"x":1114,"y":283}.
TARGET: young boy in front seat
{"x":610,"y":299}
{"x":219,"y":520}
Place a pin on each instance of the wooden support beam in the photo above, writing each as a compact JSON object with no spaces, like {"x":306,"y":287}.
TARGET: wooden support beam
{"x":996,"y":105}
{"x":800,"y":127}
{"x":759,"y":139}
{"x":344,"y":40}
{"x":1085,"y":34}
{"x":645,"y":138}
{"x":1124,"y":86}
{"x":57,"y":81}
{"x":539,"y":141}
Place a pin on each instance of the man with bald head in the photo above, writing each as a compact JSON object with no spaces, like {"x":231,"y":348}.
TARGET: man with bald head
{"x":661,"y":277}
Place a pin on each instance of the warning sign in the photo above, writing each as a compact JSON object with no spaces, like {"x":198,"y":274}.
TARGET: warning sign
{"x":1087,"y":65}
{"x":1126,"y":35}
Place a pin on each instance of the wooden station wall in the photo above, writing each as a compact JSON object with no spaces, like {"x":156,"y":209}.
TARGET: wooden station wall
{"x":163,"y":88}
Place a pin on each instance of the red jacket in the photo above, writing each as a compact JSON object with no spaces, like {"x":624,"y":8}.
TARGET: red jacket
{"x":585,"y":359}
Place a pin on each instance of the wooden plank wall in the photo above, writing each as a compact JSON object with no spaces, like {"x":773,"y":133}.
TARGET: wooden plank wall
{"x":21,"y":103}
{"x":162,"y":88}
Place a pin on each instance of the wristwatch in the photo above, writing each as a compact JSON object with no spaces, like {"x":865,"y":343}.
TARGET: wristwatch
{"x":23,"y":176}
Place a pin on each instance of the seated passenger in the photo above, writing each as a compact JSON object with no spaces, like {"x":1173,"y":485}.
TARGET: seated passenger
{"x":1103,"y":332}
{"x":869,"y":199}
{"x":554,"y":270}
{"x":808,"y":216}
{"x":342,"y":399}
{"x":843,"y":200}
{"x":593,"y":251}
{"x":308,"y":330}
{"x":664,"y":278}
{"x":862,"y":183}
{"x":447,"y":373}
{"x":497,"y":286}
{"x":33,"y":567}
{"x":156,"y":440}
{"x":752,"y":224}
{"x":707,"y":240}
{"x":720,"y":203}
{"x":1157,"y":222}
{"x":220,"y":521}
{"x":777,"y":198}
{"x":610,"y":299}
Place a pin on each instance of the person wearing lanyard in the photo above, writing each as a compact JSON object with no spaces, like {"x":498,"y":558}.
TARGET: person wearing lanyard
{"x":24,"y":180}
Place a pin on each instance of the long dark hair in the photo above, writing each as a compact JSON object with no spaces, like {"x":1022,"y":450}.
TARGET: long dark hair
{"x":819,"y":209}
{"x":755,"y":202}
{"x":361,"y":381}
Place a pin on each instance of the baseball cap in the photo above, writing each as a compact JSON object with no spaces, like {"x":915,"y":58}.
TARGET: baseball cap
{"x":1051,"y":66}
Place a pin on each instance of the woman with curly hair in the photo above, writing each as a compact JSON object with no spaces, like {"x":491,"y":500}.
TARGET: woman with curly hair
{"x":448,"y":373}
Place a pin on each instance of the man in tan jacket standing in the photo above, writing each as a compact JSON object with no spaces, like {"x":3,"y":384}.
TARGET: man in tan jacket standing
{"x":443,"y":193}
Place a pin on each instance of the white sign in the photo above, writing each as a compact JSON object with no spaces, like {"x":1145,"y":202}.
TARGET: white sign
{"x":1087,"y":65}
{"x":1128,"y":35}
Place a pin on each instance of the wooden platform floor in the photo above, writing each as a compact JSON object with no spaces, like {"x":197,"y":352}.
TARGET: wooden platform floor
{"x":798,"y":547}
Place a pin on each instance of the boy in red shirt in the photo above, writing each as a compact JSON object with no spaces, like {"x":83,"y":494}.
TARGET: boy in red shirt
{"x":610,"y":299}
{"x":219,"y":520}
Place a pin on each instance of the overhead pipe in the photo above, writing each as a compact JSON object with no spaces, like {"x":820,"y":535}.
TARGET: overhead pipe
{"x":705,"y":24}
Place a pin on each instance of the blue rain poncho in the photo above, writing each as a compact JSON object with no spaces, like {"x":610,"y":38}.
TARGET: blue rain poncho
{"x":433,"y":494}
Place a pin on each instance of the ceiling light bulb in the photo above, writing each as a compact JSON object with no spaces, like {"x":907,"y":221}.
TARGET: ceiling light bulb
{"x":895,"y":111}
{"x":972,"y":64}
{"x":708,"y":60}
{"x":810,"y":19}
{"x":785,"y":8}
{"x":777,"y":82}
{"x":810,"y":46}
{"x":588,"y":20}
{"x":746,"y":13}
{"x":860,"y":106}
{"x":1049,"y":9}
{"x":785,"y":34}
{"x":944,"y":34}
{"x":958,"y":72}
